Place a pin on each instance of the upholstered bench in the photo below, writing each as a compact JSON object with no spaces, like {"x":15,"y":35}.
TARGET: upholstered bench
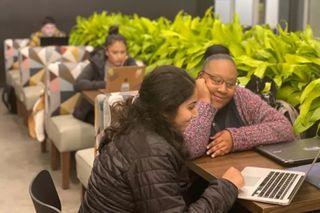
{"x":84,"y":164}
{"x":66,"y":133}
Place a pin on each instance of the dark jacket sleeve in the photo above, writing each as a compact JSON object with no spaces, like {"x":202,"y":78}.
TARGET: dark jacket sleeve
{"x":156,"y":189}
{"x":87,"y":80}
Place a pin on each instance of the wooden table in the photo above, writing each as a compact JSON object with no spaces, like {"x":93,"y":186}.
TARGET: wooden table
{"x":90,"y":95}
{"x":307,"y":198}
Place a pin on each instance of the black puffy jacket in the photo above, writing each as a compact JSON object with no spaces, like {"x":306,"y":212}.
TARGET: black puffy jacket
{"x":141,"y":172}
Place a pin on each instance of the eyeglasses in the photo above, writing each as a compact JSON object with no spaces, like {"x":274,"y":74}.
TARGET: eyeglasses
{"x":217,"y":80}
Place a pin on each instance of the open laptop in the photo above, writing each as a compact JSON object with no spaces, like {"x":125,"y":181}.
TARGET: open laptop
{"x":293,"y":153}
{"x":313,"y":176}
{"x":54,"y":41}
{"x":123,"y":79}
{"x":273,"y":186}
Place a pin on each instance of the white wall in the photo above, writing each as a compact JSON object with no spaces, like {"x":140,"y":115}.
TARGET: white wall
{"x":314,"y":16}
{"x":272,"y":12}
{"x":248,"y":11}
{"x":224,"y":9}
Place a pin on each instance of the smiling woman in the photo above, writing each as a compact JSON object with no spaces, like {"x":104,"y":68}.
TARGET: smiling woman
{"x":231,"y":118}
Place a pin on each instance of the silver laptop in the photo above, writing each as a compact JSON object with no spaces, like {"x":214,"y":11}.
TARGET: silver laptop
{"x":124,"y":79}
{"x":295,"y":153}
{"x":273,"y":186}
{"x":313,"y":176}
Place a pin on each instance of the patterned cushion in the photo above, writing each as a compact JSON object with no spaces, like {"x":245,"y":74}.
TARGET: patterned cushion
{"x":33,"y":60}
{"x":60,"y":95}
{"x":11,"y":47}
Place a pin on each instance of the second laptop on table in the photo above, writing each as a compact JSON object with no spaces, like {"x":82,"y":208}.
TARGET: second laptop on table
{"x":298,"y":152}
{"x":123,"y":79}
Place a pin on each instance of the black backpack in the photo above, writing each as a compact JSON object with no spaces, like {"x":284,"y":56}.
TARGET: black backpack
{"x":257,"y":85}
{"x":9,"y":98}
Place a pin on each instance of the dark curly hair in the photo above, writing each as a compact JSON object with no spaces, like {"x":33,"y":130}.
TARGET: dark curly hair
{"x":161,"y":93}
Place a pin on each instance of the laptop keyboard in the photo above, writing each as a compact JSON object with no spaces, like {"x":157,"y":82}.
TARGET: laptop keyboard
{"x":275,"y":185}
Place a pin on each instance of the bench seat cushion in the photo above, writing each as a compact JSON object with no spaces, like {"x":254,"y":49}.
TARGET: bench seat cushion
{"x":11,"y":76}
{"x":69,"y":133}
{"x":84,"y":164}
{"x":31,"y":94}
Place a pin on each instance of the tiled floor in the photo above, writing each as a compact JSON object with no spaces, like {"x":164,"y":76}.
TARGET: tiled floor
{"x":20,"y":160}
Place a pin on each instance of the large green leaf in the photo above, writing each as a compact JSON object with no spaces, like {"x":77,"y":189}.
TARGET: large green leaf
{"x":311,"y":91}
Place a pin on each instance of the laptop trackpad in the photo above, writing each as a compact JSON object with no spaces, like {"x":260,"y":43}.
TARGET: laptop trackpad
{"x":251,"y":180}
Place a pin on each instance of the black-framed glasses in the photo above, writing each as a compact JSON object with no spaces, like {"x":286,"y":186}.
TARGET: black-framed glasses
{"x":217,"y":80}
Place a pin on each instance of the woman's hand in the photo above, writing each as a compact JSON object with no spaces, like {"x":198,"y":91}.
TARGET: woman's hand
{"x":234,"y":176}
{"x":221,"y":144}
{"x":203,"y":91}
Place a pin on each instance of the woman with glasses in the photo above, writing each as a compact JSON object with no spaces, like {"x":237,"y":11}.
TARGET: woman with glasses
{"x":231,"y":118}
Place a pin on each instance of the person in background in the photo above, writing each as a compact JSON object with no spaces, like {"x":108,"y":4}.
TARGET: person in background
{"x":48,"y":29}
{"x":141,"y":162}
{"x":231,"y":118}
{"x":112,"y":54}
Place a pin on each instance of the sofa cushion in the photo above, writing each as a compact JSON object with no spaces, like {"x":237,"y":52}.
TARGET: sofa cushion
{"x":69,"y":133}
{"x":31,"y":94}
{"x":18,"y":89}
{"x":84,"y":164}
{"x":11,"y":76}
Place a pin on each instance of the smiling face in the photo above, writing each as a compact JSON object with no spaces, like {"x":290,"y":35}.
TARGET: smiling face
{"x":186,"y":111}
{"x":221,"y":78}
{"x":116,"y":53}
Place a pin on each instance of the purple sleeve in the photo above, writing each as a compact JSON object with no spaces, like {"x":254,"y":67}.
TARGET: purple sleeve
{"x":197,"y":133}
{"x":264,"y":124}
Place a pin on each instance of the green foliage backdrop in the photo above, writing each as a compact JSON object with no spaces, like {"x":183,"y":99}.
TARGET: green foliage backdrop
{"x":290,"y":58}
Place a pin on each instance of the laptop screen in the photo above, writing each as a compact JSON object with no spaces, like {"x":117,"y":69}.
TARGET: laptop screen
{"x":54,"y":41}
{"x":123,"y":79}
{"x":298,"y":152}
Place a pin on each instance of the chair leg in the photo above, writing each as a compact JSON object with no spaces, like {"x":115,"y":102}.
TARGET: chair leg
{"x":65,"y":164}
{"x":19,"y":108}
{"x":83,"y":191}
{"x":44,"y":146}
{"x":54,"y":157}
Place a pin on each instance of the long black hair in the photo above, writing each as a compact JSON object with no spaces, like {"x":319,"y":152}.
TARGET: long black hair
{"x":160,"y":95}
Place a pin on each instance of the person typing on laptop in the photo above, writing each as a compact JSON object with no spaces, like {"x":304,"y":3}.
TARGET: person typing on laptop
{"x":231,"y":118}
{"x":113,"y":54}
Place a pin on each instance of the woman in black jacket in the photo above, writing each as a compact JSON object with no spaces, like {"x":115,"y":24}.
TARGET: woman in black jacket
{"x":141,"y":162}
{"x":93,"y":76}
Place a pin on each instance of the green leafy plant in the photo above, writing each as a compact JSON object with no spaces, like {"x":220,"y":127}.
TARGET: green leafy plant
{"x":290,"y":58}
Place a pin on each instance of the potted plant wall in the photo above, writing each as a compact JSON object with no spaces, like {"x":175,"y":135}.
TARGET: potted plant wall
{"x":292,"y":59}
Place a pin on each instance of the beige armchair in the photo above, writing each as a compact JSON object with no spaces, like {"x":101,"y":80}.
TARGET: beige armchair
{"x":66,"y":133}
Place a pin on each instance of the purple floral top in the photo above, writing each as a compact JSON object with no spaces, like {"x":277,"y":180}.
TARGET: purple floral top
{"x":263,"y":125}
